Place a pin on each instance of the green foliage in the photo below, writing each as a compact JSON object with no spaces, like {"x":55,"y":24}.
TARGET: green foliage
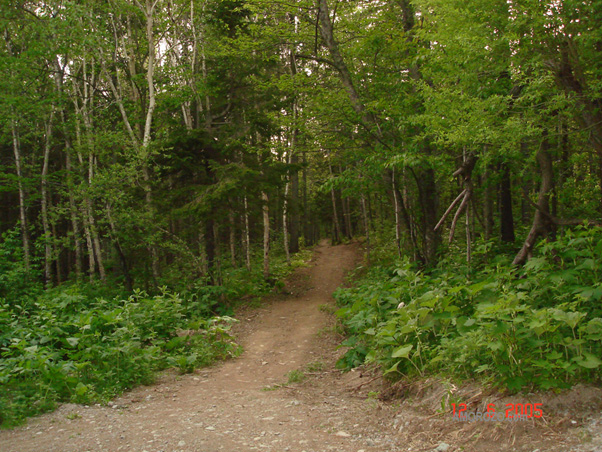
{"x":67,"y":347}
{"x":535,"y":327}
{"x":16,"y":281}
{"x":295,"y":376}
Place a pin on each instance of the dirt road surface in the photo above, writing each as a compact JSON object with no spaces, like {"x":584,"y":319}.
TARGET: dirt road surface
{"x":251,"y":403}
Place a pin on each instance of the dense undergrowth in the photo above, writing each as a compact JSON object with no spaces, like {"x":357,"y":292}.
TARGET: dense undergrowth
{"x":536,"y":327}
{"x":86,"y":343}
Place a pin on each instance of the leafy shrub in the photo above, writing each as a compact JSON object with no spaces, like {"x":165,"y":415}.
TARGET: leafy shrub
{"x":17,"y":283}
{"x":67,"y":347}
{"x":539,"y":326}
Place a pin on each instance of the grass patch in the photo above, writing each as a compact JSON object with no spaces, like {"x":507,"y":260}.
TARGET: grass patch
{"x":295,"y":376}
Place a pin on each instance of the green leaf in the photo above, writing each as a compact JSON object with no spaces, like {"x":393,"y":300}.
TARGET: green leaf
{"x":393,"y":368}
{"x":589,"y":361}
{"x":81,"y":389}
{"x":402,"y":352}
{"x":570,"y":318}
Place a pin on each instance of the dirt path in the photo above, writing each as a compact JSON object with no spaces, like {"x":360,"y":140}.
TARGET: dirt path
{"x":238,"y":406}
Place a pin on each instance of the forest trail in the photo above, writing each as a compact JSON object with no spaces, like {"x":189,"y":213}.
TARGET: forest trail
{"x":246,"y":404}
{"x":233,"y":406}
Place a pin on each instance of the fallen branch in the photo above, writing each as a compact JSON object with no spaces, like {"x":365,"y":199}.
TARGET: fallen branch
{"x":357,"y":388}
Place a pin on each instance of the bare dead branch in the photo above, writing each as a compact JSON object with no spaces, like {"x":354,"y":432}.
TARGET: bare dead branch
{"x":450,"y":208}
{"x":467,"y":196}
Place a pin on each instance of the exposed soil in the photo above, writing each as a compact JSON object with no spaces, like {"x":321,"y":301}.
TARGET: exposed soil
{"x":252,"y":403}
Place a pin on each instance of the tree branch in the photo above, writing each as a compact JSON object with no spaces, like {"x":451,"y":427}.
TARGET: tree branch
{"x":315,"y":58}
{"x":450,"y":208}
{"x":452,"y":230}
{"x":562,"y":221}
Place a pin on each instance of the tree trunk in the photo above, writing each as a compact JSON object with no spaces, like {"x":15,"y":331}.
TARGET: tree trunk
{"x":217,"y":279}
{"x":266,"y":235}
{"x":73,"y":216}
{"x":92,"y":222}
{"x":129,"y":284}
{"x":247,"y":235}
{"x":45,"y":201}
{"x":85,"y":210}
{"x":56,"y":255}
{"x":506,"y":216}
{"x":22,"y":213}
{"x":202,"y":249}
{"x":150,"y":76}
{"x":335,"y":216}
{"x":232,"y":238}
{"x":569,"y":76}
{"x":541,"y":224}
{"x":366,"y":225}
{"x":397,"y":207}
{"x":295,"y":215}
{"x":307,"y":225}
{"x":427,"y":194}
{"x":285,"y":222}
{"x":327,"y":33}
{"x":210,"y":245}
{"x":89,"y":246}
{"x":96,"y":242}
{"x":487,"y":205}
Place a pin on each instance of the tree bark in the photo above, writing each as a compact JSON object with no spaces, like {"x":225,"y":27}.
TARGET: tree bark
{"x":287,"y":252}
{"x":232,"y":238}
{"x":22,"y":212}
{"x":397,"y":201}
{"x":541,"y":223}
{"x":366,"y":225}
{"x":247,"y":235}
{"x":487,"y":205}
{"x":45,"y":201}
{"x":569,"y":77}
{"x":428,"y":198}
{"x":266,"y":235}
{"x":209,"y":236}
{"x":149,"y":12}
{"x":335,"y":216}
{"x":506,"y":215}
{"x":129,"y":283}
{"x":327,"y":33}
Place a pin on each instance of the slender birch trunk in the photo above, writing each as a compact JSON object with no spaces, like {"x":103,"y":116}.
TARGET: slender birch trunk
{"x":22,"y":213}
{"x":397,"y":202}
{"x":285,"y":216}
{"x":247,"y":235}
{"x":72,"y":206}
{"x":232,"y":238}
{"x":45,"y":202}
{"x":84,"y":209}
{"x":266,"y":235}
{"x":366,"y":224}
{"x":335,"y":215}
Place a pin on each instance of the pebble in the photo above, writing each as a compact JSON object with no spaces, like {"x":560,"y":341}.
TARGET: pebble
{"x":442,"y":447}
{"x":182,"y":443}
